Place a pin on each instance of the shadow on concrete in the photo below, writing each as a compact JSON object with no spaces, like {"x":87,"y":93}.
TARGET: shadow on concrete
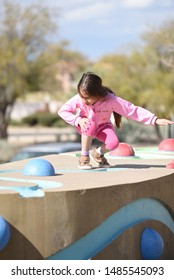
{"x":137,"y":166}
{"x":19,"y":248}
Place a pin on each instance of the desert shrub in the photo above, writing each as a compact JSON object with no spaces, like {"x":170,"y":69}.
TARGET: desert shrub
{"x":44,"y":119}
{"x":30,"y":120}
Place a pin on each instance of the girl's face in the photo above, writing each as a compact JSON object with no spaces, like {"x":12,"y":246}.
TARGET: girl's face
{"x":89,"y":100}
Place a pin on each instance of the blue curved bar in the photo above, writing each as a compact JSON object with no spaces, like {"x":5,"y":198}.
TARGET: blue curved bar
{"x":126,"y":217}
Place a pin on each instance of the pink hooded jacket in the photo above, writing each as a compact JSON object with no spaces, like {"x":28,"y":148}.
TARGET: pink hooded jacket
{"x":100,"y":112}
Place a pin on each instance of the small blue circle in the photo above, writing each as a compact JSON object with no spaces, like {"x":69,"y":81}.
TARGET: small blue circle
{"x":152,"y":244}
{"x":4,"y":233}
{"x":39,"y":167}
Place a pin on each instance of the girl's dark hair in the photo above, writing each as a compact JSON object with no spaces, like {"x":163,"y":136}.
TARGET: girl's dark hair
{"x":91,"y":84}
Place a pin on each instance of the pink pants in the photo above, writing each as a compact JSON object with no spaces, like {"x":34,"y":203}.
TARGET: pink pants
{"x":106,"y":135}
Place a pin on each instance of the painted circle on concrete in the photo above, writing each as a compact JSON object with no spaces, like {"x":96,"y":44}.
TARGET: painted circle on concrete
{"x":39,"y":167}
{"x":152,"y":244}
{"x":4,"y":233}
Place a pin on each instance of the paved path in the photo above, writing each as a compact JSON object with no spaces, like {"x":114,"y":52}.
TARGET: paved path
{"x":29,"y":135}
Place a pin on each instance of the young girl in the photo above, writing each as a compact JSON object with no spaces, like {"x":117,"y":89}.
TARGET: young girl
{"x":90,"y":112}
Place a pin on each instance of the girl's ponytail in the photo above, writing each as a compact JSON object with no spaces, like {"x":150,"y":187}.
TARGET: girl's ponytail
{"x":117,"y":117}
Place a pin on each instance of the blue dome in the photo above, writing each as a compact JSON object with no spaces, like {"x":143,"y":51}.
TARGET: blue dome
{"x":4,"y":233}
{"x":152,"y":245}
{"x":39,"y":167}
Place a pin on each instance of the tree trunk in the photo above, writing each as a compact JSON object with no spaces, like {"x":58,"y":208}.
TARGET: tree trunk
{"x":3,"y":126}
{"x":5,"y":110}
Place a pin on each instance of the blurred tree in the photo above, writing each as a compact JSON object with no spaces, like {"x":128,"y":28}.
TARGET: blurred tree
{"x":160,"y":49}
{"x":123,"y":74}
{"x":56,"y":70}
{"x":23,"y":35}
{"x":145,"y":76}
{"x":161,"y":42}
{"x":28,"y":61}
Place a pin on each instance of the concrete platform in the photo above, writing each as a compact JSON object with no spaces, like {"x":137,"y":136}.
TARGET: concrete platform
{"x":94,"y":214}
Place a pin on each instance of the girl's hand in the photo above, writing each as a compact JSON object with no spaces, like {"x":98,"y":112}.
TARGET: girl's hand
{"x":83,"y":123}
{"x":163,"y":122}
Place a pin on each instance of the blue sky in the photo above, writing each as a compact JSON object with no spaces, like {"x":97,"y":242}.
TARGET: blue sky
{"x":99,"y":27}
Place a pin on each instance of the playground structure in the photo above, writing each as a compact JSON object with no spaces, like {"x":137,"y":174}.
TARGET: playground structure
{"x":122,"y":212}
